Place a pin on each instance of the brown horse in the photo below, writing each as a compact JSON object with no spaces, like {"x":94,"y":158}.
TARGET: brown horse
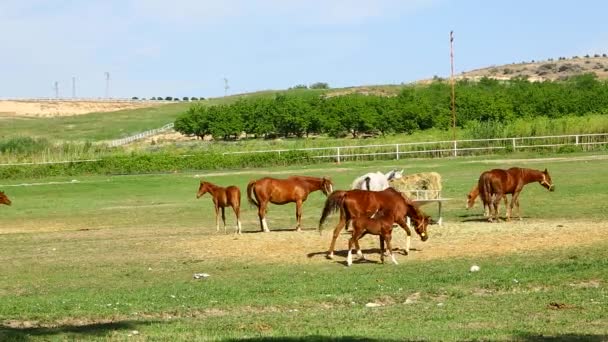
{"x":4,"y":199}
{"x":379,"y":224}
{"x":472,"y":196}
{"x":222,"y":198}
{"x":362,"y":203}
{"x":497,"y":183}
{"x":281,"y":191}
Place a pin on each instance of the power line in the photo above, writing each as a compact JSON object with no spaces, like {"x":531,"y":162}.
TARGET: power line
{"x":226,"y":87}
{"x":56,"y":89}
{"x":452,"y":82}
{"x":107,"y":84}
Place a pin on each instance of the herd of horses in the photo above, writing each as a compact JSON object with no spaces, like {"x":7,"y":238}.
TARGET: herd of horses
{"x":370,"y":207}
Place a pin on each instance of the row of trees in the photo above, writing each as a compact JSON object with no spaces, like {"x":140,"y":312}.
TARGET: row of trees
{"x":414,"y":108}
{"x":170,"y":98}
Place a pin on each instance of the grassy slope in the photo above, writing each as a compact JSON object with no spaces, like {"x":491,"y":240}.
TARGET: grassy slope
{"x":105,"y":126}
{"x":127,"y":274}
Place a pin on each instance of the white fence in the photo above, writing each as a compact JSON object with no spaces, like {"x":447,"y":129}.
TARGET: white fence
{"x":448,"y":148}
{"x":127,"y":140}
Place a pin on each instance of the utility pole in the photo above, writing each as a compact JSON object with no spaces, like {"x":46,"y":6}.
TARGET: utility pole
{"x":107,"y":84}
{"x":56,"y":88}
{"x":226,"y":87}
{"x":73,"y":87}
{"x":452,"y":85}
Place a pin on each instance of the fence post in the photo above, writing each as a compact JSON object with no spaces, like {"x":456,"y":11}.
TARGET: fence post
{"x":513,"y":143}
{"x":338,"y":155}
{"x":455,"y":149}
{"x":397,"y":151}
{"x":576,"y":140}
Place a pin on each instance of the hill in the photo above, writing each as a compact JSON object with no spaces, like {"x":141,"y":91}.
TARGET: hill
{"x":59,"y":107}
{"x":547,"y":70}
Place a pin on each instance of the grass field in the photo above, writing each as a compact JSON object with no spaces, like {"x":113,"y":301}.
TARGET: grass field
{"x":112,"y":258}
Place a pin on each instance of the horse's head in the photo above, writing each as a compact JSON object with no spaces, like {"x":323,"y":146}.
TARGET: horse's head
{"x":421,"y":221}
{"x":546,"y":181}
{"x":471,"y":197}
{"x":394,"y":174}
{"x":202,"y":189}
{"x":4,"y":199}
{"x":398,"y":174}
{"x":327,"y":186}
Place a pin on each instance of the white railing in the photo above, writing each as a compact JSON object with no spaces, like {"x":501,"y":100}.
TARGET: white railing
{"x":138,"y":136}
{"x":447,"y":148}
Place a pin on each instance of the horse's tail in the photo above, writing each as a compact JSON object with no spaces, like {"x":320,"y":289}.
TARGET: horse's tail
{"x":250,"y":193}
{"x":333,"y":203}
{"x":484,"y":186}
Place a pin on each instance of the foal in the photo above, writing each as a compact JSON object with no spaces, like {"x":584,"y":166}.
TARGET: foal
{"x":4,"y":199}
{"x":378,"y":224}
{"x":223,"y":197}
{"x":472,"y":196}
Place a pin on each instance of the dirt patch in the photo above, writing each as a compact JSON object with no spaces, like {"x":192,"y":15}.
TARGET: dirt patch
{"x":452,"y":240}
{"x":31,"y":108}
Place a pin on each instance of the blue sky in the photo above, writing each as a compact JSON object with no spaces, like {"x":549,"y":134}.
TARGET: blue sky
{"x":187,"y":47}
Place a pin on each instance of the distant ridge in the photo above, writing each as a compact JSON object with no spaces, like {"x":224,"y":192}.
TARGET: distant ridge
{"x":546,"y":70}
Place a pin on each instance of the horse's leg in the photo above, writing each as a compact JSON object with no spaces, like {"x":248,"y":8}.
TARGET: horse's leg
{"x":224,"y":218}
{"x":495,"y":202}
{"x":358,"y":247}
{"x":515,"y":202}
{"x":388,"y":238}
{"x":349,"y":257}
{"x":262,"y":215}
{"x":341,"y":224}
{"x":237,"y":213}
{"x":217,"y":217}
{"x":381,"y":248}
{"x":299,"y":215}
{"x":408,"y":237}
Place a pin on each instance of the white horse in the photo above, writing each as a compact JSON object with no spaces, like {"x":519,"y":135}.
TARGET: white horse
{"x":376,"y":181}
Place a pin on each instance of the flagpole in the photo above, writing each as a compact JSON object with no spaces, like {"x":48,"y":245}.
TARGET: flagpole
{"x":452,"y":85}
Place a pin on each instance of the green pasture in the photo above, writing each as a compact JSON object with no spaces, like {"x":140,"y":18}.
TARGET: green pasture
{"x":99,"y":258}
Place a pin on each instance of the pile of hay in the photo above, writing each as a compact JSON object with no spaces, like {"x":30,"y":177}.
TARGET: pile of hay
{"x":426,"y":185}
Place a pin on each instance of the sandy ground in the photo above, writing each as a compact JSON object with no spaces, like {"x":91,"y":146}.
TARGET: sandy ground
{"x":452,"y":240}
{"x":10,"y":108}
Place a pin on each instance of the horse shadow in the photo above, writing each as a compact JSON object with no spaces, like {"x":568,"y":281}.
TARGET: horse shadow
{"x":474,"y":218}
{"x":369,"y":251}
{"x":279,"y":230}
{"x":77,"y":332}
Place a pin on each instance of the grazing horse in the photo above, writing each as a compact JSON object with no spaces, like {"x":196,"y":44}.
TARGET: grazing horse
{"x":497,"y":183}
{"x":376,"y":181}
{"x":281,"y":191}
{"x":4,"y":199}
{"x":222,"y":198}
{"x":378,"y":224}
{"x":472,"y":196}
{"x":357,"y":203}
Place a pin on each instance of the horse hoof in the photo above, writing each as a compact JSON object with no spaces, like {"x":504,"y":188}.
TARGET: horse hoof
{"x":329,"y":256}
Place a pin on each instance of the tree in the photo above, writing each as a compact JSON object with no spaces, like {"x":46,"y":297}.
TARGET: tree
{"x":319,"y":85}
{"x":185,"y":98}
